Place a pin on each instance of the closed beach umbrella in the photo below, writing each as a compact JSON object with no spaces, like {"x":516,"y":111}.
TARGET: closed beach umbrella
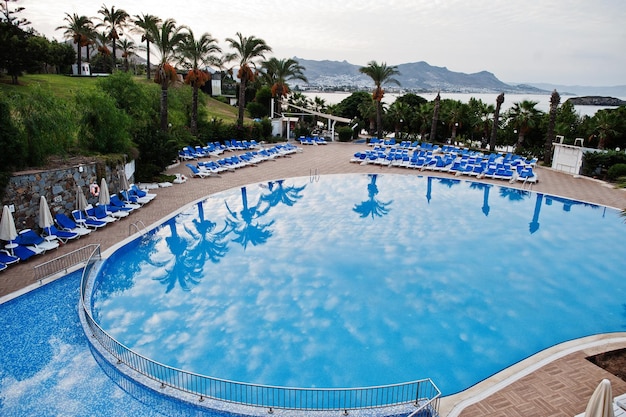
{"x":45,"y":217}
{"x":601,"y":402}
{"x":124,"y":185}
{"x":7,"y":226}
{"x":104,"y":198}
{"x":81,"y":200}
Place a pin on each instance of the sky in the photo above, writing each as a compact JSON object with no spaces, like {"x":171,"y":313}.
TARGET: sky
{"x":564,"y":42}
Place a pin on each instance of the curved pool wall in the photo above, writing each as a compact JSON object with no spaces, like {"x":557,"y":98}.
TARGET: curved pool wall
{"x":549,"y":285}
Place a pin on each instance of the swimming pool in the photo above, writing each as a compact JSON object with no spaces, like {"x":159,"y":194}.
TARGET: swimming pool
{"x":359,"y":280}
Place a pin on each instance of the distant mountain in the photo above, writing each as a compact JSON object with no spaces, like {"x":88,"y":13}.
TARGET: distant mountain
{"x":579,"y":90}
{"x":416,"y":76}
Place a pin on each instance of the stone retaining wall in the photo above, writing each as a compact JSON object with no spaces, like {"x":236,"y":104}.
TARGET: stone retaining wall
{"x":59,"y":188}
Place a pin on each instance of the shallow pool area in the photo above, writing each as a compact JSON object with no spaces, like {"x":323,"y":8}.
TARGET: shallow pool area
{"x":359,"y":280}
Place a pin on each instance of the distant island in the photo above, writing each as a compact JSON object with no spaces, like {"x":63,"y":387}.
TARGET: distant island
{"x":596,"y":101}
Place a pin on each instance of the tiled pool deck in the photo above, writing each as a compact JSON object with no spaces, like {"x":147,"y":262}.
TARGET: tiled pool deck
{"x":557,"y":382}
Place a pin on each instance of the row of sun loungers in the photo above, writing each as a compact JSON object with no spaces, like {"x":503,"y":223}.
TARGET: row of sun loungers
{"x":66,"y":229}
{"x":189,"y":153}
{"x":312,"y":140}
{"x":453,"y":160}
{"x":205,"y":169}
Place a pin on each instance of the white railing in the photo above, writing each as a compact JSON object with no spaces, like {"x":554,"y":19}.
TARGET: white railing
{"x":423,"y":393}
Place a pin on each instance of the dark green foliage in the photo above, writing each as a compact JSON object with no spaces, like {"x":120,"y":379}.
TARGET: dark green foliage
{"x":47,"y":123}
{"x":103,"y":128}
{"x":345,"y":134}
{"x":597,"y":163}
{"x":257,"y":110}
{"x":158,"y":150}
{"x":348,"y":107}
{"x":11,"y":142}
{"x":131,"y":97}
{"x":616,"y":171}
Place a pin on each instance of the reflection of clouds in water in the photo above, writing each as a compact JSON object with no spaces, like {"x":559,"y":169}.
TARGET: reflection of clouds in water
{"x":330,"y":282}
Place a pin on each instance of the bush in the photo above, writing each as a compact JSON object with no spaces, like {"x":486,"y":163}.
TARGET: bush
{"x":345,"y":134}
{"x":616,"y":171}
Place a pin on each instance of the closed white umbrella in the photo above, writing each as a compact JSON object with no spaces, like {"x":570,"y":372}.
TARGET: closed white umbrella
{"x":7,"y":226}
{"x":124,"y":185}
{"x":104,"y":198}
{"x":45,"y":217}
{"x":81,"y":200}
{"x":601,"y":402}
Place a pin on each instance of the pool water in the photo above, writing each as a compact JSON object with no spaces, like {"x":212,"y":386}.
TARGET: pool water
{"x":48,"y":369}
{"x":360,"y":280}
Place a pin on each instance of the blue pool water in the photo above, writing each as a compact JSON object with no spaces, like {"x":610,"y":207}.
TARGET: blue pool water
{"x":359,"y":280}
{"x":48,"y":369}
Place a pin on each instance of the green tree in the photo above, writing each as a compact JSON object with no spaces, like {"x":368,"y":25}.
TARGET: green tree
{"x":603,"y":123}
{"x":115,"y":21}
{"x":381,"y":74}
{"x":13,"y":155}
{"x":145,"y":25}
{"x":248,"y":50}
{"x":277,"y":72}
{"x":47,"y":123}
{"x":79,"y":29}
{"x":524,"y":117}
{"x":166,"y":38}
{"x":8,"y":14}
{"x":196,"y":53}
{"x":103,"y":127}
{"x":14,"y":55}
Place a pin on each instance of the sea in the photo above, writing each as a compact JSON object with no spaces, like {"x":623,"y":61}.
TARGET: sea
{"x":543,"y":100}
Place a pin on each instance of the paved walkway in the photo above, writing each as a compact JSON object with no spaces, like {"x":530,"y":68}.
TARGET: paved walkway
{"x":559,"y":388}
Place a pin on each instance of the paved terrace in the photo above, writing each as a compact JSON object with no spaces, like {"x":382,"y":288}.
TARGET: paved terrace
{"x":557,"y":382}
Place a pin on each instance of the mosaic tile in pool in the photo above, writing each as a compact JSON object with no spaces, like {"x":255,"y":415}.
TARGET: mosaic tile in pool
{"x":359,"y":280}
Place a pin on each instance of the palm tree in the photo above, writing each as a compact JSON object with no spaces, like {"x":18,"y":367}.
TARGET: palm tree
{"x":113,"y":20}
{"x":194,"y":53}
{"x":399,"y":113}
{"x":128,"y":49}
{"x":604,"y":127}
{"x":496,"y":118}
{"x":524,"y":117}
{"x":555,"y":99}
{"x":166,"y":38}
{"x":247,"y":51}
{"x":143,"y":24}
{"x":454,"y":111}
{"x":381,"y":74}
{"x":435,"y":121}
{"x":277,"y":73}
{"x":77,"y":28}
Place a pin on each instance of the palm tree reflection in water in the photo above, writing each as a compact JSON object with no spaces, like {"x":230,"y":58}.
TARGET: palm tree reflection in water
{"x":180,"y":267}
{"x":372,"y":207}
{"x":210,"y":246}
{"x":280,"y":194}
{"x":243,"y":223}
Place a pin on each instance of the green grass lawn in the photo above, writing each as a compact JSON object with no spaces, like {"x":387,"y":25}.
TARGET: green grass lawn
{"x":64,"y":86}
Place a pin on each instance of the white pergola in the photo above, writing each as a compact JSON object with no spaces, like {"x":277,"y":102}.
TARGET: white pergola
{"x":331,"y":120}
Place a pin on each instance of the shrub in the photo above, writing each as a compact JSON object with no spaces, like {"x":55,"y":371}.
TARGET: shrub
{"x":345,"y":133}
{"x":616,"y":171}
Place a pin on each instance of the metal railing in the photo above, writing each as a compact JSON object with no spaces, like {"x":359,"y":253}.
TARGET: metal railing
{"x":423,"y":393}
{"x":64,"y":263}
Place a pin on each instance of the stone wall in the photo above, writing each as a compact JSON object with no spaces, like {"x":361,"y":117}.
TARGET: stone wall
{"x":59,"y":188}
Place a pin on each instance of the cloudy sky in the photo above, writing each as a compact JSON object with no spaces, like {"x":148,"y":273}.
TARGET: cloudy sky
{"x":571,"y":42}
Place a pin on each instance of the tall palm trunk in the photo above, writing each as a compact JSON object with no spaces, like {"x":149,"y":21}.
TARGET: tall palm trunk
{"x":496,"y":118}
{"x":379,"y":118}
{"x":165,"y":83}
{"x":433,"y":125}
{"x":194,"y":110}
{"x":555,"y":99}
{"x":148,"y":59}
{"x":242,"y":99}
{"x":79,"y":60}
